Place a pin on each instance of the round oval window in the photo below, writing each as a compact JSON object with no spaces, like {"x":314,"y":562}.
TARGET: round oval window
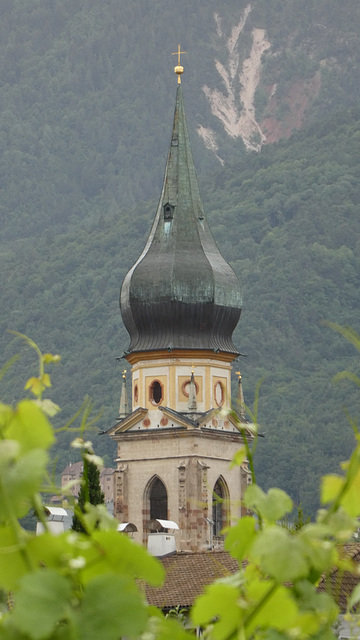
{"x":219,"y":394}
{"x":185,"y":388}
{"x":156,"y":392}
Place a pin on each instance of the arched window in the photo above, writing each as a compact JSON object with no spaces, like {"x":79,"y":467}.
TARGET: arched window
{"x":158,"y":500}
{"x":219,"y":509}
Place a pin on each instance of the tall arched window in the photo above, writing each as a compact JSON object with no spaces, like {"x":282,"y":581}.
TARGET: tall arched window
{"x":158,"y":500}
{"x":220,"y":504}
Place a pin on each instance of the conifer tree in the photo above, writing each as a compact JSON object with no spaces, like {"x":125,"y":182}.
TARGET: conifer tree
{"x":90,"y":492}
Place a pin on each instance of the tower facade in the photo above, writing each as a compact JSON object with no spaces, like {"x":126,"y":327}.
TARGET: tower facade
{"x":180,"y":303}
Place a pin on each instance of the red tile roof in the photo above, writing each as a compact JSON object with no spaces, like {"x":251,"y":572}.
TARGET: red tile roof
{"x":186,"y":576}
{"x":342,"y":585}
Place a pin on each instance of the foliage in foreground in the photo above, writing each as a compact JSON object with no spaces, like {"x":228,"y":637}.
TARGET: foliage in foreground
{"x":78,"y":587}
{"x":90,"y":492}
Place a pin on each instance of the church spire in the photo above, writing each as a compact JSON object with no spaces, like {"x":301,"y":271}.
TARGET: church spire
{"x":181,"y":293}
{"x":180,"y":303}
{"x":124,"y":404}
{"x":240,"y":397}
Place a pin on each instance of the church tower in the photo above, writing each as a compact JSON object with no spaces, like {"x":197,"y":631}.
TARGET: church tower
{"x":180,"y":304}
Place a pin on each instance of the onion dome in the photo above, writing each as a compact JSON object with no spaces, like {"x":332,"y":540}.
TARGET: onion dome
{"x":181,"y":293}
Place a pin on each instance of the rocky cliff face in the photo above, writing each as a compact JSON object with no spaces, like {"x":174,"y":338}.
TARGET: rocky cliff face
{"x":265,"y":87}
{"x":234,"y":105}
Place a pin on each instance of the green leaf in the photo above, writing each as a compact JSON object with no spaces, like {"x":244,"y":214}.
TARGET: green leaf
{"x":330,"y":488}
{"x":119,"y":554}
{"x":12,"y":560}
{"x":278,"y":610}
{"x":49,"y":358}
{"x":238,"y":458}
{"x":6,"y":413}
{"x":20,"y":480}
{"x":355,"y":597}
{"x":280,"y":555}
{"x":30,"y":427}
{"x":220,"y":602}
{"x":42,"y":600}
{"x":271,"y":506}
{"x":318,"y":608}
{"x":52,"y":551}
{"x":240,"y":537}
{"x":48,"y":406}
{"x":166,"y":629}
{"x":338,"y":525}
{"x":350,"y":501}
{"x":34,"y":385}
{"x":46,"y":380}
{"x":9,"y":452}
{"x":321,"y":554}
{"x":112,"y":607}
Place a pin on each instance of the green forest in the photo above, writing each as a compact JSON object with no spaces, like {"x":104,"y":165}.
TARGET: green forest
{"x":87,"y":93}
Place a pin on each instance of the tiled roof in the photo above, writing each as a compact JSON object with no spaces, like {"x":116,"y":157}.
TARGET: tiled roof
{"x":343,"y":585}
{"x":74,"y":468}
{"x":186,"y":576}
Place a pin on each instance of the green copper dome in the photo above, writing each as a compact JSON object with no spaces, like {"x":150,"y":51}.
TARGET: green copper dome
{"x":181,"y":293}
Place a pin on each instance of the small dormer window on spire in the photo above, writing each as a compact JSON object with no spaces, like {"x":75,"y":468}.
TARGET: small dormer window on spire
{"x":168,"y":211}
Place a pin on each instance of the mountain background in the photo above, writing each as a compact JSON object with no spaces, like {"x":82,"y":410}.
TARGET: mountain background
{"x":87,"y":93}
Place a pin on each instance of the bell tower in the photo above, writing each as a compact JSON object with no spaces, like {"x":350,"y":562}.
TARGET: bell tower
{"x":180,"y":303}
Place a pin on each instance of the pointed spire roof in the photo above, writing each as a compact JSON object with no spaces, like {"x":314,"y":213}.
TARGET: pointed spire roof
{"x":240,"y":397}
{"x":124,"y":405}
{"x":181,"y":293}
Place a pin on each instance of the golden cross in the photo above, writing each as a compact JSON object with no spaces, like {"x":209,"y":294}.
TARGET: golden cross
{"x":238,"y":374}
{"x":178,"y":69}
{"x":178,"y":53}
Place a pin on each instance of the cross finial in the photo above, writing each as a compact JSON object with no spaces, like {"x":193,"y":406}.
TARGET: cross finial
{"x":238,"y":374}
{"x":178,"y":69}
{"x":124,"y":374}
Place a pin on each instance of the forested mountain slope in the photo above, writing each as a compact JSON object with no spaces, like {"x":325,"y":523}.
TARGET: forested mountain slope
{"x":86,"y":100}
{"x":86,"y":87}
{"x":291,"y":220}
{"x":288,"y":222}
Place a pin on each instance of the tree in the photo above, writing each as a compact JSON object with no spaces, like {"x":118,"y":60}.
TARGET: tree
{"x":90,"y":493}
